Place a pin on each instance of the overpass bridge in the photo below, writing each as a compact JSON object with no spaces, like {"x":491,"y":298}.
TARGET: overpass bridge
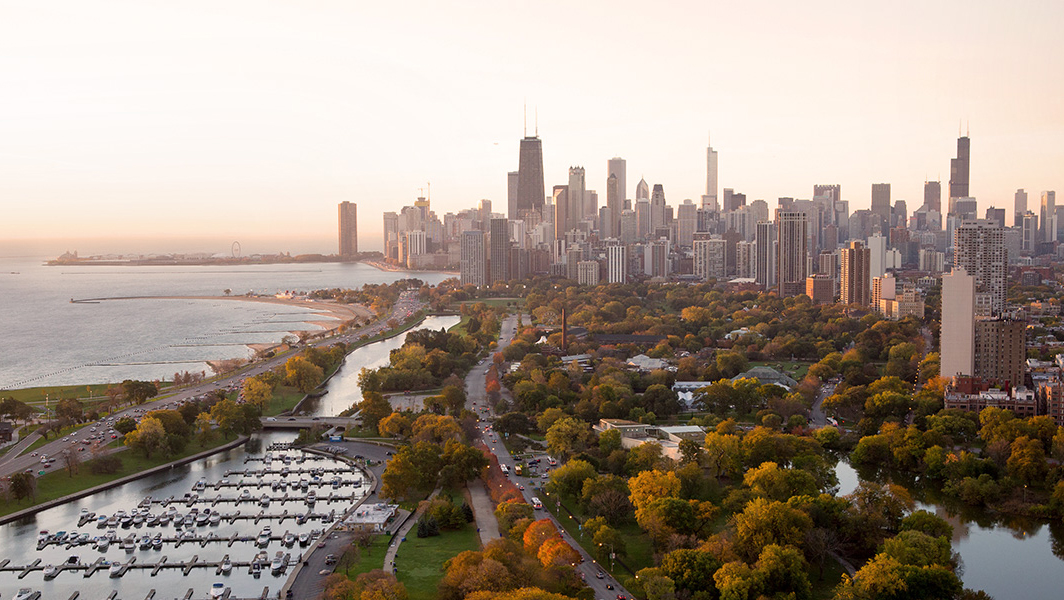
{"x":308,"y":422}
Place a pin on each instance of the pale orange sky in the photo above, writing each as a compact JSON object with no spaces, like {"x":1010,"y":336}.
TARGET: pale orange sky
{"x":246,"y":120}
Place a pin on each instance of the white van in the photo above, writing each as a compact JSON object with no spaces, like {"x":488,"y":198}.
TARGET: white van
{"x":536,"y":504}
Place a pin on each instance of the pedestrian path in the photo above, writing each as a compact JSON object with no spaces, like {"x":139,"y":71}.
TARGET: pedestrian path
{"x":480,"y":502}
{"x":389,"y":556}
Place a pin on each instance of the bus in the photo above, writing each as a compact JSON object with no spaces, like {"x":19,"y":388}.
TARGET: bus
{"x":536,"y":504}
{"x":505,"y":469}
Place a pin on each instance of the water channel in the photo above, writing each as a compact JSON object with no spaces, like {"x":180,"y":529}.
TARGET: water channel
{"x":1005,"y":557}
{"x":18,"y":540}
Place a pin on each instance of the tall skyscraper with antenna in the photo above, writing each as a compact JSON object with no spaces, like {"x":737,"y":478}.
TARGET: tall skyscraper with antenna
{"x":959,"y":169}
{"x":530,"y":190}
{"x":709,"y":200}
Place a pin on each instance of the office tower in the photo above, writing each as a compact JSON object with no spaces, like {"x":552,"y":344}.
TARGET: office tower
{"x":963,"y":208}
{"x":877,"y":246}
{"x":484,"y":211}
{"x":881,"y":203}
{"x":391,"y":235}
{"x":1030,"y":233}
{"x":958,"y":169}
{"x":519,"y":236}
{"x":933,"y":195}
{"x":732,"y":200}
{"x":617,"y":167}
{"x":710,"y":258}
{"x":765,"y":255}
{"x":997,"y":215}
{"x":828,"y":263}
{"x":587,"y":272}
{"x":500,"y":250}
{"x":422,"y":206}
{"x":1000,"y":351}
{"x":899,"y":214}
{"x":686,"y":223}
{"x":958,"y":324}
{"x":513,"y":206}
{"x":530,"y":190}
{"x":932,"y":260}
{"x":560,"y":199}
{"x":414,"y":247}
{"x":629,"y":227}
{"x":855,"y":262}
{"x":474,"y":261}
{"x":792,"y":231}
{"x":883,"y":288}
{"x":642,"y":190}
{"x":577,"y":187}
{"x":610,"y":226}
{"x":1019,"y":208}
{"x":1048,"y":219}
{"x":348,"y":228}
{"x":709,"y":200}
{"x":979,"y":249}
{"x":616,"y":262}
{"x":642,"y":218}
{"x":656,"y":258}
{"x":657,"y":207}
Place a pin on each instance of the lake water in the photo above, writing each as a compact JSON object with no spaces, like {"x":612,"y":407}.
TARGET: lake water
{"x":50,"y":341}
{"x":1006,"y":558}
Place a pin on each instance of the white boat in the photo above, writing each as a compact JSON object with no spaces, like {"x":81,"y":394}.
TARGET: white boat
{"x":288,"y":540}
{"x":312,"y":498}
{"x":200,"y":485}
{"x":245,"y":495}
{"x":217,"y":590}
{"x":112,"y":521}
{"x":215,"y":518}
{"x":116,"y":569}
{"x":157,"y":543}
{"x":304,"y":539}
{"x":138,"y":519}
{"x":145,"y":543}
{"x":101,"y":521}
{"x":227,"y":566}
{"x":50,"y":571}
{"x":264,"y":537}
{"x":264,"y":500}
{"x":24,"y":594}
{"x":171,"y":510}
{"x":256,"y":568}
{"x":202,"y":518}
{"x":103,"y":544}
{"x":43,"y":535}
{"x":277,"y":565}
{"x":152,"y":520}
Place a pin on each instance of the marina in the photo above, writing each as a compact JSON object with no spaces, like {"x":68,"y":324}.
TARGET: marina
{"x":218,"y":527}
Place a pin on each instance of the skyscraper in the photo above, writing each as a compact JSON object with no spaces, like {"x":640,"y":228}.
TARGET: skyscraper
{"x":577,"y":187}
{"x":793,"y":235}
{"x":474,"y":262}
{"x":616,"y":262}
{"x":710,"y":199}
{"x":979,"y":249}
{"x":686,"y":223}
{"x":855,"y":262}
{"x":500,"y":250}
{"x":933,"y":195}
{"x":765,"y":254}
{"x":617,"y":166}
{"x":958,"y":324}
{"x":1019,"y":207}
{"x":530,"y":191}
{"x":1047,"y":220}
{"x":710,"y":259}
{"x":391,"y":235}
{"x":513,"y":181}
{"x":657,"y":207}
{"x":959,"y":168}
{"x":642,"y":190}
{"x":614,"y":205}
{"x":560,"y":198}
{"x":348,"y":227}
{"x":881,"y":203}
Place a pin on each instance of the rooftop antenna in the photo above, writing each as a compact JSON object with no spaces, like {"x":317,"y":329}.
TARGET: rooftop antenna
{"x":537,"y":121}
{"x":525,"y":120}
{"x":429,"y":196}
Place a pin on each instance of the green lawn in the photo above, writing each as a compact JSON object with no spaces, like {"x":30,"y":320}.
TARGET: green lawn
{"x":57,"y":392}
{"x":363,"y":560}
{"x":825,"y":588}
{"x":58,"y":483}
{"x":284,"y":398}
{"x":420,"y":560}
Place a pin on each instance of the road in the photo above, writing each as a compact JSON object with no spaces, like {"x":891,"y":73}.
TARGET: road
{"x":476,"y":400}
{"x":819,"y":419}
{"x":407,"y":305}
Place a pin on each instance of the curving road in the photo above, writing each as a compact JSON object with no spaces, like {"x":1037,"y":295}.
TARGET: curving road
{"x":476,"y":400}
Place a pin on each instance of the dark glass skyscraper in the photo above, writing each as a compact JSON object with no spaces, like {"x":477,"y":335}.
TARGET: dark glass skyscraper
{"x":958,"y":169}
{"x":530,"y":191}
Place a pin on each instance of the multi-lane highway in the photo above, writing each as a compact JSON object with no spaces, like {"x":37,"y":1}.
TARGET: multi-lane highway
{"x":83,"y":439}
{"x":606,"y":588}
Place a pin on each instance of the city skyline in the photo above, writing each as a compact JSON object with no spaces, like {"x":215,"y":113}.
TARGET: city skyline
{"x":243,"y":125}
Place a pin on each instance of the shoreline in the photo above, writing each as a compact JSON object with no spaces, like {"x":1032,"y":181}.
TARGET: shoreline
{"x":36,"y":508}
{"x":388,"y":268}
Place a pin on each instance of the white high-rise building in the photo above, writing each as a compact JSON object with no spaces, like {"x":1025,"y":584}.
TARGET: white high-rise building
{"x":958,"y":324}
{"x":979,"y":249}
{"x":587,"y":272}
{"x":709,"y":200}
{"x":616,"y":262}
{"x":710,"y":260}
{"x":474,"y":262}
{"x":792,"y":231}
{"x":877,"y":247}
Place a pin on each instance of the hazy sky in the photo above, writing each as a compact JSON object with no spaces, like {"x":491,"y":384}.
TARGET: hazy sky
{"x":246,"y":120}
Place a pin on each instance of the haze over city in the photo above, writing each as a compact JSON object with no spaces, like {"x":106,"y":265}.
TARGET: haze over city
{"x":189,"y":126}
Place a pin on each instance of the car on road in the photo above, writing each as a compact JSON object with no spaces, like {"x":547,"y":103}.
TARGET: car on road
{"x":609,"y":586}
{"x":600,"y":575}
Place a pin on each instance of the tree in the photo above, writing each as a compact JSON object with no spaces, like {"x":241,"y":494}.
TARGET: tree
{"x":394,"y":425}
{"x":204,"y":428}
{"x":537,"y":534}
{"x":1027,"y":461}
{"x":513,"y":423}
{"x":557,"y":552}
{"x":770,"y":481}
{"x":783,"y":571}
{"x":303,"y":374}
{"x":461,"y":463}
{"x":23,"y":485}
{"x":149,"y":436}
{"x":738,"y":581}
{"x":651,"y":485}
{"x":724,"y":455}
{"x":690,"y":452}
{"x":373,"y":408}
{"x":610,"y":440}
{"x":70,"y":410}
{"x":228,"y":416}
{"x":568,"y":479}
{"x":692,"y":571}
{"x":72,"y":461}
{"x":16,"y":410}
{"x":125,"y":425}
{"x":257,"y":392}
{"x":138,"y":392}
{"x":567,"y":437}
{"x":765,"y":522}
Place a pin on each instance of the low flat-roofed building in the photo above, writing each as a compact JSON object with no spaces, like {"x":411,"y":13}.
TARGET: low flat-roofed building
{"x":372,"y":517}
{"x":767,"y":375}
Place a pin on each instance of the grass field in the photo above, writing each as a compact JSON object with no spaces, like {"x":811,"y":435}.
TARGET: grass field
{"x":363,"y":560}
{"x":58,"y":483}
{"x":420,"y":560}
{"x":284,"y":398}
{"x":55,"y":393}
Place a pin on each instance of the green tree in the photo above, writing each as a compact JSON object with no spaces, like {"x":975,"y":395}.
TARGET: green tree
{"x":783,"y":571}
{"x":567,"y":437}
{"x":228,"y":416}
{"x":770,"y":481}
{"x":23,"y":485}
{"x":204,"y":428}
{"x":303,"y":374}
{"x":1027,"y":461}
{"x":764,"y":522}
{"x":568,"y":479}
{"x":373,"y":408}
{"x":149,"y":436}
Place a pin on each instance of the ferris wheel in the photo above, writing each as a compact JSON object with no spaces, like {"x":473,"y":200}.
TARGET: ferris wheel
{"x":236,"y":249}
